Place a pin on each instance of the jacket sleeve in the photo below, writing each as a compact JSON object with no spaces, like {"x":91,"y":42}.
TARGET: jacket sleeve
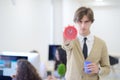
{"x":104,"y":63}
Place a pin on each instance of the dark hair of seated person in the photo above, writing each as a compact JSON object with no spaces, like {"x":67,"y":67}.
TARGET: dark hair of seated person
{"x":26,"y":71}
{"x":61,"y":57}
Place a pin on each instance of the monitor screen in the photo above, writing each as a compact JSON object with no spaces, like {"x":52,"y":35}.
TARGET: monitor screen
{"x":8,"y":64}
{"x":52,"y":50}
{"x":8,"y":61}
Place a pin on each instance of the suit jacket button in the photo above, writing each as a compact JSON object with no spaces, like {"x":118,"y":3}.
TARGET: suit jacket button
{"x":81,"y":76}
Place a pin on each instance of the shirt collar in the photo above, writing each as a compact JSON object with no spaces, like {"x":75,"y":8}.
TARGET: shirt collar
{"x":89,"y":37}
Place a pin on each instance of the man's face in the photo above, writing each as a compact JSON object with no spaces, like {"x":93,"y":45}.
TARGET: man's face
{"x":57,"y":55}
{"x":84,"y":26}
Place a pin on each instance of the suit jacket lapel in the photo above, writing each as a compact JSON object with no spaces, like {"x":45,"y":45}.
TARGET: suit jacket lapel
{"x":92,"y":50}
{"x":77,"y":44}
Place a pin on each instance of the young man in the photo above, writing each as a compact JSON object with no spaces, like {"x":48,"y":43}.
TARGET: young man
{"x":94,"y":47}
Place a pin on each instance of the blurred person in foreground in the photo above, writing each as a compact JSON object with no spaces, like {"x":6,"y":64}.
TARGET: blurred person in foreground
{"x":25,"y":71}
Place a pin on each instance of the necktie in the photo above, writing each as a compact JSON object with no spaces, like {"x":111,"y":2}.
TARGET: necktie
{"x":85,"y":50}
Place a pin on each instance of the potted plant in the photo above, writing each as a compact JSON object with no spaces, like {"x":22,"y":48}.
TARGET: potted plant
{"x":61,"y":70}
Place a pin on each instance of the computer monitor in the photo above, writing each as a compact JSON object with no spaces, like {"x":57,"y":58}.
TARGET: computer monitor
{"x":8,"y":61}
{"x":8,"y":64}
{"x":52,"y":50}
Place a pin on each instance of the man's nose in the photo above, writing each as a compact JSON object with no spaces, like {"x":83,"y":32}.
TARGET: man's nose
{"x":82,"y":24}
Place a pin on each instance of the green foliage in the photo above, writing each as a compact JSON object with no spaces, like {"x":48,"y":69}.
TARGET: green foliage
{"x":61,"y":69}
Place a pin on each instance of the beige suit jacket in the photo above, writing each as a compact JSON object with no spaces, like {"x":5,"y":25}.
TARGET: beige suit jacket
{"x":75,"y":60}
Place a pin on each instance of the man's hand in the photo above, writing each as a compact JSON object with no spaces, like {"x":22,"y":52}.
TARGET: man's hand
{"x":93,"y":67}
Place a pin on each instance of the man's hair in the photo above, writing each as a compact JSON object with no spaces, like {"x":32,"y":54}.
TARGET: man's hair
{"x":83,"y":11}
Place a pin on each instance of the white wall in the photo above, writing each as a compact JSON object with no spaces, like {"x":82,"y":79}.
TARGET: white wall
{"x":57,"y":21}
{"x":106,"y":26}
{"x":25,"y":25}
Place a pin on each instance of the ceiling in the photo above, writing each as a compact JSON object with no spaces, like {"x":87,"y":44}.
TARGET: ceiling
{"x":100,"y":2}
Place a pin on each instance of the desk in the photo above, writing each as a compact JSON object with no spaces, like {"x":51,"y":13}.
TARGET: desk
{"x":117,"y":55}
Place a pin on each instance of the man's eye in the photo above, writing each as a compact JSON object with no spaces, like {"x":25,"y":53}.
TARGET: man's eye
{"x":80,"y":21}
{"x":86,"y":21}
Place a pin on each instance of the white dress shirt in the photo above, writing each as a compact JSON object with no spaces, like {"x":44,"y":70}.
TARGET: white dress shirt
{"x":89,"y":41}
